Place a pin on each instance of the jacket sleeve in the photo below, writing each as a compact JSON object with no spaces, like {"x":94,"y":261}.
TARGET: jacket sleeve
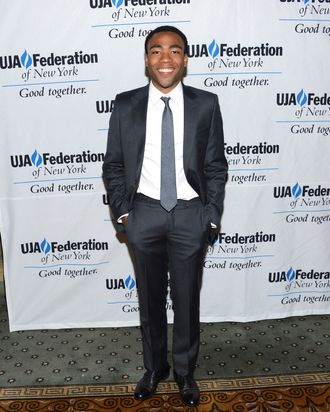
{"x":215,"y":167}
{"x":114,"y":167}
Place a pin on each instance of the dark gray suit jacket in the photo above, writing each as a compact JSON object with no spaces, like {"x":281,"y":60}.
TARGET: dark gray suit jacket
{"x":205,"y":165}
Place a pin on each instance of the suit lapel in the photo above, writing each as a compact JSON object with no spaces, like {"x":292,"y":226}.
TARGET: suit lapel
{"x":190,"y":116}
{"x":139,"y":113}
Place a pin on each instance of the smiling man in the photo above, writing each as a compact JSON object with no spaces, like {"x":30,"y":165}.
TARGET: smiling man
{"x":165,"y":172}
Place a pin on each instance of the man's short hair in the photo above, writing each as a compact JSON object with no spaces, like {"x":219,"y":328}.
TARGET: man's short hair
{"x":163,"y":29}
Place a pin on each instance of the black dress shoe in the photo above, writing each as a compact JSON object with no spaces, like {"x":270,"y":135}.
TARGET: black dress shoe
{"x":147,"y":386}
{"x":189,"y":391}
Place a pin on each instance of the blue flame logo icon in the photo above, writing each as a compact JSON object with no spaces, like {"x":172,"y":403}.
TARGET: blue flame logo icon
{"x":26,"y":59}
{"x":290,"y":275}
{"x":296,"y":190}
{"x":36,"y":158}
{"x":301,"y":98}
{"x":130,"y":282}
{"x":214,"y":49}
{"x":306,"y":1}
{"x":117,"y":3}
{"x":45,"y":246}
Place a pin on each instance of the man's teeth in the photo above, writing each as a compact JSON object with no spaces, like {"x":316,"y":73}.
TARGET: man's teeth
{"x":166,"y":70}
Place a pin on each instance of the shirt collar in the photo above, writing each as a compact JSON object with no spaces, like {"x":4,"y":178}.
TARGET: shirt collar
{"x":176,"y":94}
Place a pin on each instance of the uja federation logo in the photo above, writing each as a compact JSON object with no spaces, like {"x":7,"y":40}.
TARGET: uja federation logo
{"x":121,"y":283}
{"x":215,"y":49}
{"x":276,"y":277}
{"x":305,"y":1}
{"x":127,"y":285}
{"x":292,"y":275}
{"x":104,"y":106}
{"x":37,"y":159}
{"x":26,"y":60}
{"x":119,"y":3}
{"x":45,"y":247}
{"x":12,"y":62}
{"x":302,"y":98}
{"x":297,"y":190}
{"x":288,"y":191}
{"x":105,"y":3}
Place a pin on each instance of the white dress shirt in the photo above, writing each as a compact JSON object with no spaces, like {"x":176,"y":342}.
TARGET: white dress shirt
{"x":150,"y":174}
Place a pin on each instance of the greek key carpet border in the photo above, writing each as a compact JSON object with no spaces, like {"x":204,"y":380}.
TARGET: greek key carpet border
{"x":164,"y":387}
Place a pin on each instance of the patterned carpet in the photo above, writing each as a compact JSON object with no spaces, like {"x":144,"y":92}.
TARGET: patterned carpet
{"x":264,"y":366}
{"x":275,"y":394}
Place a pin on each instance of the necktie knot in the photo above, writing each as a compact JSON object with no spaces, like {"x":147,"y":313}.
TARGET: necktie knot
{"x":166,"y":101}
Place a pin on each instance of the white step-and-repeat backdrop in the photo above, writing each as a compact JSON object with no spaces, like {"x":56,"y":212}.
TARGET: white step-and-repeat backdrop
{"x":62,"y":63}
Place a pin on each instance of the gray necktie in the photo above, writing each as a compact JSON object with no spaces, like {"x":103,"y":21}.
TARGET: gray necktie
{"x":168,"y":197}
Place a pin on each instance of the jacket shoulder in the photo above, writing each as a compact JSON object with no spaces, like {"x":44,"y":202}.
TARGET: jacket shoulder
{"x":140,"y":91}
{"x":194,"y":91}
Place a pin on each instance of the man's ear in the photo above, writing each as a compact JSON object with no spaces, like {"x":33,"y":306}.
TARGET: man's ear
{"x":146,"y":65}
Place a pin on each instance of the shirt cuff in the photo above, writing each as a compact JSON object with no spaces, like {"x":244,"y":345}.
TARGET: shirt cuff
{"x":119,"y":220}
{"x":213,"y":226}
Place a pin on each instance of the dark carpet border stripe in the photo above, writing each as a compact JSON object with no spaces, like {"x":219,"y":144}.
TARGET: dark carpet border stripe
{"x":164,"y":387}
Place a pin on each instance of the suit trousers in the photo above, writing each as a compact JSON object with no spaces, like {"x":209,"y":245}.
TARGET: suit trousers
{"x":172,"y":241}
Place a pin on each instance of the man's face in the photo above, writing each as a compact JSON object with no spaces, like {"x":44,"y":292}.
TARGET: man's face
{"x":166,"y":60}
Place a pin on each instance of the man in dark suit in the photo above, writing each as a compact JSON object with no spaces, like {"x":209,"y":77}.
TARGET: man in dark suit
{"x":165,"y":173}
